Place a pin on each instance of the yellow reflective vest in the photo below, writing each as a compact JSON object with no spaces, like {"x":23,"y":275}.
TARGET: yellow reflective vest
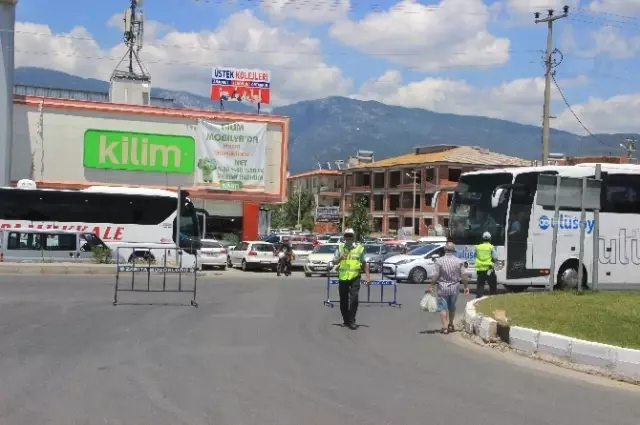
{"x":350,"y":268}
{"x":484,"y":260}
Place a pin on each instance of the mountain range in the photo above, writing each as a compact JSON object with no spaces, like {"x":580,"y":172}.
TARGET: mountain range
{"x":334,"y":128}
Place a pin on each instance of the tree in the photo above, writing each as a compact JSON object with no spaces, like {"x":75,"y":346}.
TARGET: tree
{"x":286,"y":215}
{"x":360,"y":220}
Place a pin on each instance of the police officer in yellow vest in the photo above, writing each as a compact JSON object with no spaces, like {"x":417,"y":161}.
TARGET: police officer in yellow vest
{"x":485,"y":257}
{"x":350,"y":258}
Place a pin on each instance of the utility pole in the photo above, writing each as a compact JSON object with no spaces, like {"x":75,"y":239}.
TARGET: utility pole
{"x":299,"y":201}
{"x":546,"y":113}
{"x":629,"y":146}
{"x":414,"y":176}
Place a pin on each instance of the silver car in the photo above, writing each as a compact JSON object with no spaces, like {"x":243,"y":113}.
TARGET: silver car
{"x":301,"y":251}
{"x":375,"y":254}
{"x":213,"y":254}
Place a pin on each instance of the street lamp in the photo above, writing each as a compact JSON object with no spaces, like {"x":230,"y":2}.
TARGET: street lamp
{"x":414,"y":176}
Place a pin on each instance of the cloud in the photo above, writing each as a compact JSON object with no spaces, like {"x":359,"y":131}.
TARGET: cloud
{"x":428,"y":38}
{"x":183,"y":61}
{"x":616,"y":114}
{"x":306,"y":11}
{"x":621,"y":7}
{"x":607,"y":41}
{"x":531,"y":6}
{"x":518,"y":100}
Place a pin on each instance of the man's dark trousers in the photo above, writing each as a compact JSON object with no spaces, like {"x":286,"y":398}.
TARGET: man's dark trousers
{"x":483,"y":278}
{"x":349,"y":290}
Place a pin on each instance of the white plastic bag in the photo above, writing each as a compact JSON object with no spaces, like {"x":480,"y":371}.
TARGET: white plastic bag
{"x":429,"y":303}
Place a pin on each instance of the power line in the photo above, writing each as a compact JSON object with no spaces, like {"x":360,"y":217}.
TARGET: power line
{"x":336,"y":5}
{"x":278,"y":52}
{"x":260,"y":64}
{"x":574,"y":114}
{"x":592,"y":13}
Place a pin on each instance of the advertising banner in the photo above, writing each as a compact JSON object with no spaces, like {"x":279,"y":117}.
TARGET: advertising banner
{"x":231,"y":156}
{"x":327,"y":214}
{"x":241,"y":85}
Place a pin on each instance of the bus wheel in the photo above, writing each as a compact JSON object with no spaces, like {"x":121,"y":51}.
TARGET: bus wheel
{"x":568,"y":276}
{"x":418,"y":275}
{"x":142,"y":256}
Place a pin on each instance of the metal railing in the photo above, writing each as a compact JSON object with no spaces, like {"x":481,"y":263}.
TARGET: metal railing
{"x":382,"y":283}
{"x":147,"y":267}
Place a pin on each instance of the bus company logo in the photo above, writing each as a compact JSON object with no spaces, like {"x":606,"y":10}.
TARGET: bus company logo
{"x":544,"y":222}
{"x":566,"y":222}
{"x":117,"y":150}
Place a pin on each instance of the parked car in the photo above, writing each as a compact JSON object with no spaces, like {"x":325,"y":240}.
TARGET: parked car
{"x":375,"y":254}
{"x":213,"y":254}
{"x":318,"y":261}
{"x":301,"y":251}
{"x":416,"y":266}
{"x":253,"y":255}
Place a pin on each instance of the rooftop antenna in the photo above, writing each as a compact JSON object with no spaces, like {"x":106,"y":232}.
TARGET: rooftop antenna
{"x":133,"y":38}
{"x":630,"y":147}
{"x":328,"y":165}
{"x":319,"y":166}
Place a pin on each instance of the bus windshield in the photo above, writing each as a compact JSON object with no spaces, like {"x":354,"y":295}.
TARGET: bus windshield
{"x":471,"y":213}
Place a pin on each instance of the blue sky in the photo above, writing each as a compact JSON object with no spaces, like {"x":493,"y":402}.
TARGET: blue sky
{"x":462,"y":56}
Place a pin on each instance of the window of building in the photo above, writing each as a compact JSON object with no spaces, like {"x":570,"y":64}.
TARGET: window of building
{"x":449,"y":199}
{"x":454,"y":174}
{"x":430,"y":174}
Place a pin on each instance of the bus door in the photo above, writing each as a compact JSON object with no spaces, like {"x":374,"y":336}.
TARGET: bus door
{"x":202,"y":222}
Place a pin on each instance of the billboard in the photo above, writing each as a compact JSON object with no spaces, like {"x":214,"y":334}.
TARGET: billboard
{"x":327,"y":214}
{"x":232,"y":156}
{"x":241,"y":85}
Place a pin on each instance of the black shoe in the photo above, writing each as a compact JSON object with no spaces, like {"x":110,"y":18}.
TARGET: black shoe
{"x":352,"y":326}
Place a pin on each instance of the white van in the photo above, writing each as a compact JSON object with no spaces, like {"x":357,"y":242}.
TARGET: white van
{"x":49,"y":246}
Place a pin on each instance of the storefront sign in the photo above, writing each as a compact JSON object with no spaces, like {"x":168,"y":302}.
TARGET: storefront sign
{"x":241,"y":85}
{"x":232,"y":156}
{"x":121,"y":150}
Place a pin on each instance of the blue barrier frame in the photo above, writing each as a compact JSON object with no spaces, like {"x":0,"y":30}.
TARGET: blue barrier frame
{"x":382,"y":282}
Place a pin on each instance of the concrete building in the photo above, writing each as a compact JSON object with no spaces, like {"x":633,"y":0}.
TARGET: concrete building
{"x":53,"y":144}
{"x":326,"y":185}
{"x":388,"y":185}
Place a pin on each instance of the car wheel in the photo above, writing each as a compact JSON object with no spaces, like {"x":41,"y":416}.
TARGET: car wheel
{"x":223,"y":268}
{"x":229,"y":263}
{"x":244,"y":266}
{"x":418,"y":275}
{"x":307,"y":274}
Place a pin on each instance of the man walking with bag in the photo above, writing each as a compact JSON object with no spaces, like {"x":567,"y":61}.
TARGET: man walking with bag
{"x":350,"y":258}
{"x":448,"y":274}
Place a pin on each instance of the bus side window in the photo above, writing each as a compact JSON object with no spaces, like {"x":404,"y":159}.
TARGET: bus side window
{"x":621,"y":194}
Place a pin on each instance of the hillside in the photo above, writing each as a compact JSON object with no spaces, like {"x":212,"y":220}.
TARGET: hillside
{"x":334,"y":128}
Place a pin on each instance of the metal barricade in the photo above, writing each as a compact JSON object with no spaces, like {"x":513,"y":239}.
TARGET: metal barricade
{"x":383,"y":282}
{"x":147,"y":267}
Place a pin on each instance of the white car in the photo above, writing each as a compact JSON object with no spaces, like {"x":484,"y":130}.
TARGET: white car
{"x":318,"y":261}
{"x":213,"y":254}
{"x":253,"y":255}
{"x":415,"y":266}
{"x":301,"y":251}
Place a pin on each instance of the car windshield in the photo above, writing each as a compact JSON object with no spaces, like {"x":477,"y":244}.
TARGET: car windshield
{"x":372,"y":249}
{"x":325,"y":249}
{"x":302,"y":247}
{"x":471,"y":211}
{"x":423,"y":249}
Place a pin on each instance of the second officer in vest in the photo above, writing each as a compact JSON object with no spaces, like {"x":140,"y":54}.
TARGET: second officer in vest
{"x":485,"y":257}
{"x":350,"y":258}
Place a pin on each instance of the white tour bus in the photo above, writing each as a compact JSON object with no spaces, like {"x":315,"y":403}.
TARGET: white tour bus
{"x":128,"y":218}
{"x":523,"y":231}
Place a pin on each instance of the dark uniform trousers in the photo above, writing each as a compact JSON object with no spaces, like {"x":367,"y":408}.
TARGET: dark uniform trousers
{"x":349,"y":290}
{"x":483,"y":278}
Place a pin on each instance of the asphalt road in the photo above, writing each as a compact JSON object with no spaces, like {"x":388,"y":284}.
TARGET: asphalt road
{"x":265,"y":352}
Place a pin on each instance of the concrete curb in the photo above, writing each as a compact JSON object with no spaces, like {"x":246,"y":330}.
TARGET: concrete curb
{"x":617,"y":362}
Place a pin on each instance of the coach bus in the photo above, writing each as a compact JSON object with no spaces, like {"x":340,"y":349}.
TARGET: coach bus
{"x":523,"y":231}
{"x":129,"y":218}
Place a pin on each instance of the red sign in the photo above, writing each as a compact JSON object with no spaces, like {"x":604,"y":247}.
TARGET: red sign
{"x":241,"y":85}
